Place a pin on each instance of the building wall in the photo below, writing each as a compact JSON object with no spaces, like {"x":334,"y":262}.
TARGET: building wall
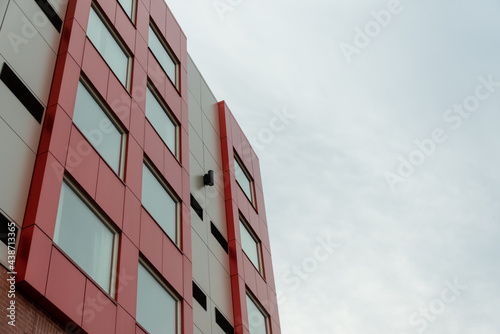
{"x":28,"y":46}
{"x":46,"y":273}
{"x":210,"y":261}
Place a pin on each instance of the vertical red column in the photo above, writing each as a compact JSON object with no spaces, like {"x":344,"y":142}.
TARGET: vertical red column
{"x":245,"y":277}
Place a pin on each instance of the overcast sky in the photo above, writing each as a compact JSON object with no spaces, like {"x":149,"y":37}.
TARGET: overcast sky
{"x":382,"y":182}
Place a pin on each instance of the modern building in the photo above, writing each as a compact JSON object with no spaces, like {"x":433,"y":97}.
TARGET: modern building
{"x":130,"y":199}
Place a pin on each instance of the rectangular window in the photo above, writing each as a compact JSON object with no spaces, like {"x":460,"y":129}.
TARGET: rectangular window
{"x":22,"y":92}
{"x":47,"y":8}
{"x":129,"y":8}
{"x":250,"y":245}
{"x":100,"y":130}
{"x":199,"y":296}
{"x":243,"y":178}
{"x":196,"y":207}
{"x":161,"y":120}
{"x":219,"y":237}
{"x":82,"y":233}
{"x":163,"y":54}
{"x":258,"y":321}
{"x":160,"y":201}
{"x":108,"y":46}
{"x":223,"y":323}
{"x":157,"y":308}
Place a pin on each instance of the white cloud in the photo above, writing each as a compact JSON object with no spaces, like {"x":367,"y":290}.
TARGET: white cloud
{"x":324,"y":174}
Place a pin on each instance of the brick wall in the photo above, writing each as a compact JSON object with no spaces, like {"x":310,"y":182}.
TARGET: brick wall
{"x":30,"y":318}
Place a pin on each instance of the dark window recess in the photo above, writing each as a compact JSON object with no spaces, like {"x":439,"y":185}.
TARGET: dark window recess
{"x":23,"y":94}
{"x":199,"y":296}
{"x":223,"y":323}
{"x":51,"y":14}
{"x":4,"y":229}
{"x":197,"y":207}
{"x":219,"y":237}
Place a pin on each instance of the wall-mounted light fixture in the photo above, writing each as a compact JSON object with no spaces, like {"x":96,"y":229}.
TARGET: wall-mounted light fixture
{"x":208,"y":179}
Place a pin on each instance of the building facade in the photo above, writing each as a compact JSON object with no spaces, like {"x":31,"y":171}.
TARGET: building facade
{"x":130,"y":199}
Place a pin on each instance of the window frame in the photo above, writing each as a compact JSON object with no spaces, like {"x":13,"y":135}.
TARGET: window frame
{"x":251,"y":183}
{"x":169,"y":52}
{"x":258,"y":245}
{"x":163,"y":284}
{"x":95,"y":209}
{"x":95,"y":7}
{"x":259,"y":307}
{"x":113,"y":119}
{"x":169,"y":114}
{"x":169,"y":191}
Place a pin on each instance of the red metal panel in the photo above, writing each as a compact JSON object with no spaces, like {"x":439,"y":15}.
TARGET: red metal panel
{"x":153,"y":146}
{"x":73,"y":40}
{"x":108,"y":8}
{"x":132,"y":217}
{"x":83,"y":162}
{"x":55,"y":137}
{"x":268,"y":268}
{"x":110,"y":194}
{"x":99,"y":312}
{"x":65,"y":84}
{"x":126,"y":286}
{"x":137,"y":120}
{"x":172,"y":171}
{"x":239,"y":301}
{"x":95,"y":68}
{"x":119,"y":100}
{"x":173,"y":99}
{"x":139,"y":81}
{"x":156,"y":75}
{"x":66,"y":287}
{"x":172,"y":265}
{"x":158,"y":12}
{"x":173,"y":33}
{"x":133,"y":168}
{"x":250,"y":273}
{"x":142,"y":18}
{"x":186,"y":230}
{"x":187,"y":321}
{"x":264,"y":235}
{"x":184,"y":148}
{"x":125,"y":28}
{"x":187,"y":268}
{"x":33,"y":258}
{"x":141,"y":50}
{"x":125,"y":324}
{"x":235,"y":258}
{"x":79,"y":9}
{"x":151,"y":240}
{"x":44,"y":194}
{"x":261,"y":292}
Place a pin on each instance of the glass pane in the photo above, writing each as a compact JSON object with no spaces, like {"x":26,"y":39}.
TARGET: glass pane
{"x":249,"y":245}
{"x":256,"y":320}
{"x":162,"y":55}
{"x":107,"y":46}
{"x":160,"y":121}
{"x":160,"y":205}
{"x":82,"y":235}
{"x":97,"y":127}
{"x":156,"y":308}
{"x":127,"y":6}
{"x":242,"y":180}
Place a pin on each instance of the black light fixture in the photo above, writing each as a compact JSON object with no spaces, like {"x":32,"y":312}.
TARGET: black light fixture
{"x":208,"y":179}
